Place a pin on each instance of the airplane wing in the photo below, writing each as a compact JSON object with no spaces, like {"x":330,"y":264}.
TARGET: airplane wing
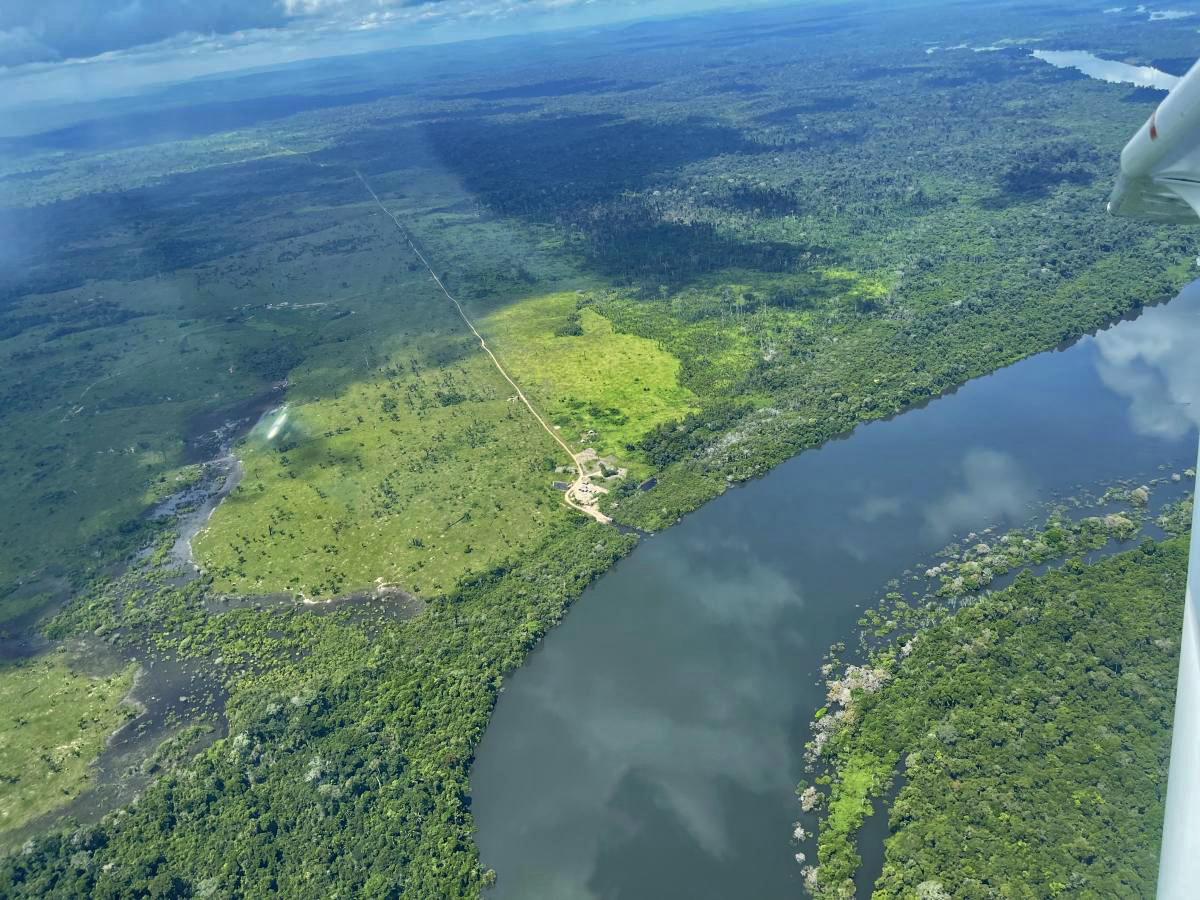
{"x":1160,"y":182}
{"x":1160,"y":166}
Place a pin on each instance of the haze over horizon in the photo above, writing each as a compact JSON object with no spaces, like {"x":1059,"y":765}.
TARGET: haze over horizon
{"x":71,"y":50}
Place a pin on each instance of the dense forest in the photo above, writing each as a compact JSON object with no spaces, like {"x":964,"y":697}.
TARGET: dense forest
{"x":1020,"y":742}
{"x":346,"y":770}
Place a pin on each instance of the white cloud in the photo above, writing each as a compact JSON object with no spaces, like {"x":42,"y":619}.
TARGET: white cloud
{"x":21,"y":45}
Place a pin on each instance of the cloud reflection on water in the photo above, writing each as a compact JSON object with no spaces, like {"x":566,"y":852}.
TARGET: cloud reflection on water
{"x":652,"y":744}
{"x":994,"y":488}
{"x":874,"y":508}
{"x":1156,"y":367}
{"x":720,"y":704}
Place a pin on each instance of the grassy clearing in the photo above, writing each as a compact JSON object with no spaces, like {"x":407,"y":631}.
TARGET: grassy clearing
{"x":585,"y":374}
{"x":420,"y":470}
{"x":417,"y":474}
{"x":56,"y":720}
{"x":850,"y":802}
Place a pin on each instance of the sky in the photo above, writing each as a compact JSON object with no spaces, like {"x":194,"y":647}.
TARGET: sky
{"x":85,"y":49}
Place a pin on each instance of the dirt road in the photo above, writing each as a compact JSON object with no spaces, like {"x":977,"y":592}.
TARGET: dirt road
{"x":577,"y":489}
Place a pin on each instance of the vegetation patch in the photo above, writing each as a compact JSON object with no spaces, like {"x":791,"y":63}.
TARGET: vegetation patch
{"x":417,"y":476}
{"x":764,"y":271}
{"x":361,"y":749}
{"x":606,"y":389}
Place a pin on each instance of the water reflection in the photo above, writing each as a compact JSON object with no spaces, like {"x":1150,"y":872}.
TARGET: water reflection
{"x":1107,"y":69}
{"x":874,"y":508}
{"x":655,"y":733}
{"x":994,"y":487}
{"x":1157,"y":368}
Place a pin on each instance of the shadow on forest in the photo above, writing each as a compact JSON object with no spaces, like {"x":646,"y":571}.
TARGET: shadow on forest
{"x":1029,"y":186}
{"x":985,"y":73}
{"x":874,"y":73}
{"x":148,"y":230}
{"x":136,"y":129}
{"x":169,"y":225}
{"x":556,"y":88}
{"x":786,"y":115}
{"x":1173,"y":65}
{"x":596,"y":162}
{"x":1147,"y":95}
{"x":745,"y":88}
{"x":590,"y":158}
{"x":1038,"y":170}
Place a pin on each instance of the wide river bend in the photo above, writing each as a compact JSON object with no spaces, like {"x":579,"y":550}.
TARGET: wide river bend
{"x":649,"y":748}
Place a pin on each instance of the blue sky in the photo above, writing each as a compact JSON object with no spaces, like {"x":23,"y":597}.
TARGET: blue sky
{"x":81,"y":49}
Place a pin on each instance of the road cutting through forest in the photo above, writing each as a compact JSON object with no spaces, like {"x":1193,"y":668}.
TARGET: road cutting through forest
{"x":577,"y":494}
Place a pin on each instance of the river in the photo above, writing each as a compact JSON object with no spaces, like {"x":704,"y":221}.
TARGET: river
{"x":650,"y":746}
{"x":1108,"y":70}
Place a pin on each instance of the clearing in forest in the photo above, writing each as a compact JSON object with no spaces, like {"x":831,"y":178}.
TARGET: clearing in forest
{"x":422,"y":470}
{"x":589,"y":378}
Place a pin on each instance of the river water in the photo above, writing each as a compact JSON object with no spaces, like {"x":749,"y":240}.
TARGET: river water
{"x":1108,"y":70}
{"x":650,"y":746}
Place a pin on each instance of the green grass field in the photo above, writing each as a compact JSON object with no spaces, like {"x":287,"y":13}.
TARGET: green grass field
{"x":56,"y":720}
{"x":415,"y":470}
{"x":424,"y":470}
{"x":412,"y":478}
{"x":585,"y":374}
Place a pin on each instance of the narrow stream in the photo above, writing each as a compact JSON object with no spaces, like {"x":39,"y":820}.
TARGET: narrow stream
{"x":650,"y":746}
